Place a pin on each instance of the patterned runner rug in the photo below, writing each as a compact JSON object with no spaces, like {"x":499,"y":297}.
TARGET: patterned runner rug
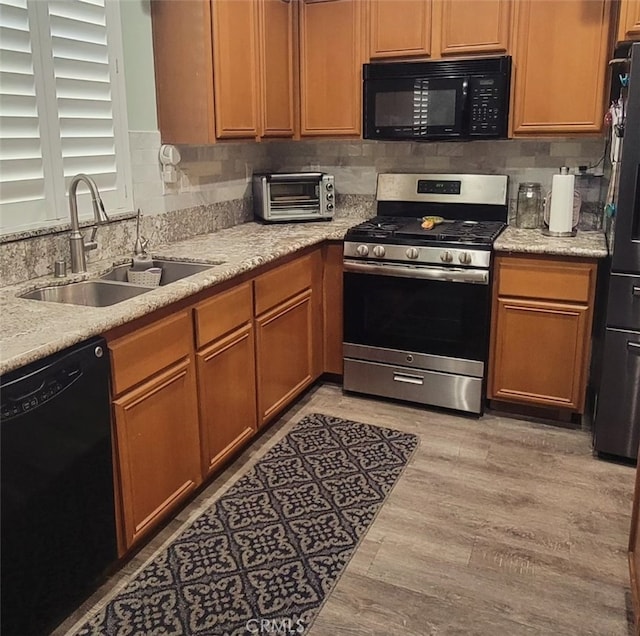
{"x":274,"y":545}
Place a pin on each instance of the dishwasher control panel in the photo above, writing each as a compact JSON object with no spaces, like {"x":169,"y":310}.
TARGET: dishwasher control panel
{"x":19,"y":403}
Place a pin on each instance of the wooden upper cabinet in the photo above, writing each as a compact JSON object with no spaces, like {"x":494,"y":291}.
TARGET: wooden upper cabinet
{"x":276,"y":64}
{"x":331,"y":55}
{"x":235,"y":72}
{"x":184,"y":70}
{"x":561,"y":64}
{"x":469,"y":26}
{"x":399,"y":28}
{"x":629,"y":21}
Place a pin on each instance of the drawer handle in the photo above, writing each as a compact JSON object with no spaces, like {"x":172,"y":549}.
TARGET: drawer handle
{"x":634,"y":347}
{"x":408,"y":379}
{"x":635,"y":291}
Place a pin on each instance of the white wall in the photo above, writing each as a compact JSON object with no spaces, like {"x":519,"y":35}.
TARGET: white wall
{"x":137,"y":44}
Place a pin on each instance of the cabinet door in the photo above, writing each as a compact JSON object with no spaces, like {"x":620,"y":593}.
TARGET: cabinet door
{"x":561,"y":64}
{"x":629,"y":21}
{"x":183,"y":70}
{"x":235,"y":67}
{"x":472,"y":27}
{"x":332,"y":307}
{"x":227,"y":390}
{"x":399,"y":28}
{"x":284,"y":338}
{"x":330,"y":67}
{"x":276,"y":64}
{"x":157,"y":441}
{"x":539,"y":353}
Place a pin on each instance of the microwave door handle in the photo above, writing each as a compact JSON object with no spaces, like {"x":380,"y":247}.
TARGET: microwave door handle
{"x":464,"y":111}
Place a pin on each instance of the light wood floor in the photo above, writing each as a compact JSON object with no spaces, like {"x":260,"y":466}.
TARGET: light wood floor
{"x":497,"y":527}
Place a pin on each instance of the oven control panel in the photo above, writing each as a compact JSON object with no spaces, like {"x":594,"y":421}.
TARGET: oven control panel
{"x":431,"y":186}
{"x":419,"y":255}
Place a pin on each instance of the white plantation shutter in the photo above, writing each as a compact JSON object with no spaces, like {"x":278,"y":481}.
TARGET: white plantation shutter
{"x":22,"y":185}
{"x":64,"y":113}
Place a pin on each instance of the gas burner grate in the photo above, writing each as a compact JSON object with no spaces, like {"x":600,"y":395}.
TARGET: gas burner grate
{"x":375,"y":226}
{"x":472,"y":231}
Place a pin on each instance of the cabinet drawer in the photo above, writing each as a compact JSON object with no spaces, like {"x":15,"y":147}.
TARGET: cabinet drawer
{"x":545,"y":279}
{"x":148,"y":350}
{"x":223,"y":313}
{"x":284,"y":282}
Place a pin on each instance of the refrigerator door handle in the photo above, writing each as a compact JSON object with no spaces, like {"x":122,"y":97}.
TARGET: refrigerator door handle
{"x":634,"y":347}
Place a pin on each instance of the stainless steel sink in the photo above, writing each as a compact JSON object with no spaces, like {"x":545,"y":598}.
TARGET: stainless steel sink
{"x":92,"y":293}
{"x":171,"y":270}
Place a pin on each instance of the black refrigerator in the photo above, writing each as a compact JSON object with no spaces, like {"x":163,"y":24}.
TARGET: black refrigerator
{"x":617,"y":408}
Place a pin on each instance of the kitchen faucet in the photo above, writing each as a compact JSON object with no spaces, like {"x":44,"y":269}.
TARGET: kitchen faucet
{"x":76,"y":239}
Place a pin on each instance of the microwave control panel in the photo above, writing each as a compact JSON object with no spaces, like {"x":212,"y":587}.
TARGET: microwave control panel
{"x":486,"y":104}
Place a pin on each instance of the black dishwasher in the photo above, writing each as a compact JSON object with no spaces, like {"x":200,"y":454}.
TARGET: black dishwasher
{"x":58,"y":520}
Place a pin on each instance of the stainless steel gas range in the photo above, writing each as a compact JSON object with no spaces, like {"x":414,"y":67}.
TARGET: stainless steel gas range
{"x":416,"y":289}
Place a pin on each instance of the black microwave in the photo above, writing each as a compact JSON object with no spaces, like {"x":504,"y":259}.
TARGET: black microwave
{"x":440,"y":99}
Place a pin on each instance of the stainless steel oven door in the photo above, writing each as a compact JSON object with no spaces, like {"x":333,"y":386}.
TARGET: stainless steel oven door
{"x":425,"y":310}
{"x":416,"y":333}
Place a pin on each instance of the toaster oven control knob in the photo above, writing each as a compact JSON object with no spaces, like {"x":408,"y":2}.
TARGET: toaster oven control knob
{"x":465,"y":258}
{"x":329,"y":185}
{"x":329,"y":206}
{"x":412,"y":253}
{"x":378,"y":251}
{"x":362,"y":250}
{"x":446,"y":256}
{"x":329,"y":196}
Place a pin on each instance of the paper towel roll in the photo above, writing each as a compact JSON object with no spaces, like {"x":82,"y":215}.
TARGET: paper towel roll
{"x":561,"y":213}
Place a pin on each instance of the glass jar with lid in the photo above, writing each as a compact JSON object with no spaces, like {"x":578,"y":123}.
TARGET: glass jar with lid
{"x":529,"y":211}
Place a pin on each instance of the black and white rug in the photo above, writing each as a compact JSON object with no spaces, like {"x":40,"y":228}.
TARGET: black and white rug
{"x":268,"y":552}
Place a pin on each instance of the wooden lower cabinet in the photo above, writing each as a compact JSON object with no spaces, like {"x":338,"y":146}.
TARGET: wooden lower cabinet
{"x":539,"y":352}
{"x":190,"y":388}
{"x":227,"y":394}
{"x":284,"y":337}
{"x":541,"y":331}
{"x":157,"y":438}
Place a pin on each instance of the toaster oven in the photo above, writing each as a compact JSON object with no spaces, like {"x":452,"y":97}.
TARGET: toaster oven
{"x":293,"y":196}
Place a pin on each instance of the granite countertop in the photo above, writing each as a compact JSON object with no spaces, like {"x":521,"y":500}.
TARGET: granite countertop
{"x":33,"y":329}
{"x":584,"y":244}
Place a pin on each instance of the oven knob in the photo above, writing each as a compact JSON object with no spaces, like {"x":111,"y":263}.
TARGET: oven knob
{"x":465,"y":258}
{"x":329,"y":186}
{"x":362,"y":250}
{"x":446,"y":256}
{"x":329,"y":206}
{"x":379,"y":251}
{"x":412,"y":253}
{"x":329,"y":196}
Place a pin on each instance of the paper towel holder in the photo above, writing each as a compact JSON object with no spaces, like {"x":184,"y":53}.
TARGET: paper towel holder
{"x":577,"y":204}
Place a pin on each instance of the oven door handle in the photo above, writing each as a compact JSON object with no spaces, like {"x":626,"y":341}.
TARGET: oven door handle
{"x":445,"y":274}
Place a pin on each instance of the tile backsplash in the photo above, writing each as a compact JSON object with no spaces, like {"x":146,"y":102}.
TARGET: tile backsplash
{"x":213,"y":190}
